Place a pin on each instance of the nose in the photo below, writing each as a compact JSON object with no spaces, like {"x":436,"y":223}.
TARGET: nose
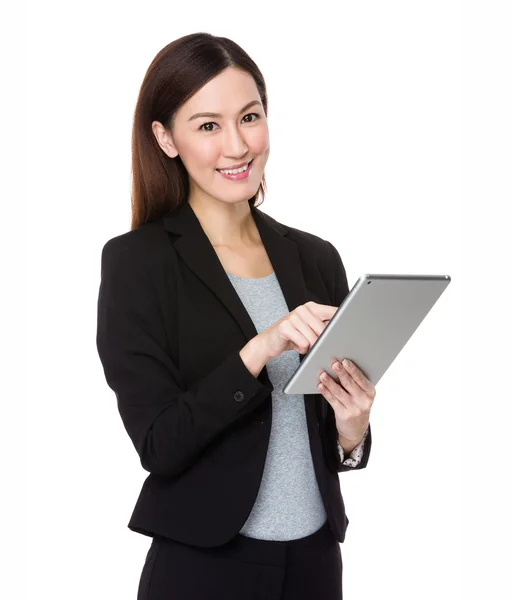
{"x":233,"y":143}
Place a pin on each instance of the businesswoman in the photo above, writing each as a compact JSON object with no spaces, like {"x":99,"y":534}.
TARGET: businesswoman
{"x":206,"y":308}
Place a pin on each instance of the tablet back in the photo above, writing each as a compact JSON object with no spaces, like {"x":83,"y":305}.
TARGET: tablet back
{"x":372,"y":325}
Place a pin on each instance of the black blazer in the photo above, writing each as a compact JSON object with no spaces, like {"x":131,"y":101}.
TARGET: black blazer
{"x":169,"y":332}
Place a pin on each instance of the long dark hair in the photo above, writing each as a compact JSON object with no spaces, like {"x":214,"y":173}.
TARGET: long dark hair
{"x":160,"y":184}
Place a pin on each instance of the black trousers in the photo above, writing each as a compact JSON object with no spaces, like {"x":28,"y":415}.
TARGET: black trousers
{"x":245,"y":568}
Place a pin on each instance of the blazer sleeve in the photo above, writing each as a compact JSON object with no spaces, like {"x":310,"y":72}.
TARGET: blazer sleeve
{"x":168,"y":425}
{"x":341,"y":290}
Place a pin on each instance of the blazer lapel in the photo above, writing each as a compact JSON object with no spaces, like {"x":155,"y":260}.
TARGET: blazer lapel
{"x":194,"y":247}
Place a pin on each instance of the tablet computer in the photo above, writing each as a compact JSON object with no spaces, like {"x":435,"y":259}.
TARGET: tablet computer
{"x":371,"y":326}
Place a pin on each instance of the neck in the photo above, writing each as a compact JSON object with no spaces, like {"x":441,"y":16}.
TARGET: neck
{"x":226,"y":224}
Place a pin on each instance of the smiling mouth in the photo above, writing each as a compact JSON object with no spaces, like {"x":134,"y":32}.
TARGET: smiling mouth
{"x":248,"y":165}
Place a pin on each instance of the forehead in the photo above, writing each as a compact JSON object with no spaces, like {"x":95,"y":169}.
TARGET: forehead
{"x":226,"y":94}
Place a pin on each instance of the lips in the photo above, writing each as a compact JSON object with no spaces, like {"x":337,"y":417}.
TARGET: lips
{"x":241,"y":165}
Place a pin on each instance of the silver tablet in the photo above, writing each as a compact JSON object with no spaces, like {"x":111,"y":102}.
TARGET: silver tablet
{"x":372,"y":325}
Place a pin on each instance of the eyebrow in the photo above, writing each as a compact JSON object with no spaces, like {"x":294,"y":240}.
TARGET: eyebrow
{"x":217,"y":115}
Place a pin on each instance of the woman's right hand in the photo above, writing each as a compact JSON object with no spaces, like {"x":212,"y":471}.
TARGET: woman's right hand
{"x":298,"y":330}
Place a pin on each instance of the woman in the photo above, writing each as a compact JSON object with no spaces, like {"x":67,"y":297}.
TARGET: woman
{"x":206,"y":307}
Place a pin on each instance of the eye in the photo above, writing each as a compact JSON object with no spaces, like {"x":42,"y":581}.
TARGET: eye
{"x":212,"y":123}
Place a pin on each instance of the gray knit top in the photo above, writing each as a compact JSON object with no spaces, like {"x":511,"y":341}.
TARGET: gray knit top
{"x":289,"y":504}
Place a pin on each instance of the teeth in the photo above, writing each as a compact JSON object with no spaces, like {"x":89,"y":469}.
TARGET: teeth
{"x":233,"y":171}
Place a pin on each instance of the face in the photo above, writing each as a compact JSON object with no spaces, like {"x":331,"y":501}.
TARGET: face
{"x":206,"y":143}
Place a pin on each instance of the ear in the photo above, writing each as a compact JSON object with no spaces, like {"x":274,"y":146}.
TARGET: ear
{"x":164,"y":139}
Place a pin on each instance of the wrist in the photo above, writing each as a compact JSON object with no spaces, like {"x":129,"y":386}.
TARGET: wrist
{"x":348,"y":445}
{"x":254,"y":356}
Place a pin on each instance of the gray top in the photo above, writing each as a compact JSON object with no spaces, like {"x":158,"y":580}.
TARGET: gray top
{"x":289,"y":504}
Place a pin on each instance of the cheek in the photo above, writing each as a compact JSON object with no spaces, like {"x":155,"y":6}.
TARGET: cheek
{"x":199,"y":157}
{"x":259,"y":141}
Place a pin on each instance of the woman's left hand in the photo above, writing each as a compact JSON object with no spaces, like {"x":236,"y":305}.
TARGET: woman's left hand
{"x":352,"y":401}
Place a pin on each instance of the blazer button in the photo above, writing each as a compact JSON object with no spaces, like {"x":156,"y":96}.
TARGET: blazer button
{"x":239,"y":396}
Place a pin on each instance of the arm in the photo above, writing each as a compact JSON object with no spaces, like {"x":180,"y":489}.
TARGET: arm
{"x":168,"y":425}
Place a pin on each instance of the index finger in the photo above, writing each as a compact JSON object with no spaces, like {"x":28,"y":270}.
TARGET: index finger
{"x":324,"y":312}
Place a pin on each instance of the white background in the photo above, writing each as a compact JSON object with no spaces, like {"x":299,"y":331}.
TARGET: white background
{"x":390,"y":129}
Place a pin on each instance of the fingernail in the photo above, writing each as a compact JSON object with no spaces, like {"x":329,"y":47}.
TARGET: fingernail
{"x":346,"y":363}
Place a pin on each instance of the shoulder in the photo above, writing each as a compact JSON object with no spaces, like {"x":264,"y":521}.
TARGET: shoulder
{"x":145,"y":244}
{"x":310,"y":244}
{"x":303,"y":239}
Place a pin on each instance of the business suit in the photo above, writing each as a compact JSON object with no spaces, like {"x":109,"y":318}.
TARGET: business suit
{"x":170,"y":328}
